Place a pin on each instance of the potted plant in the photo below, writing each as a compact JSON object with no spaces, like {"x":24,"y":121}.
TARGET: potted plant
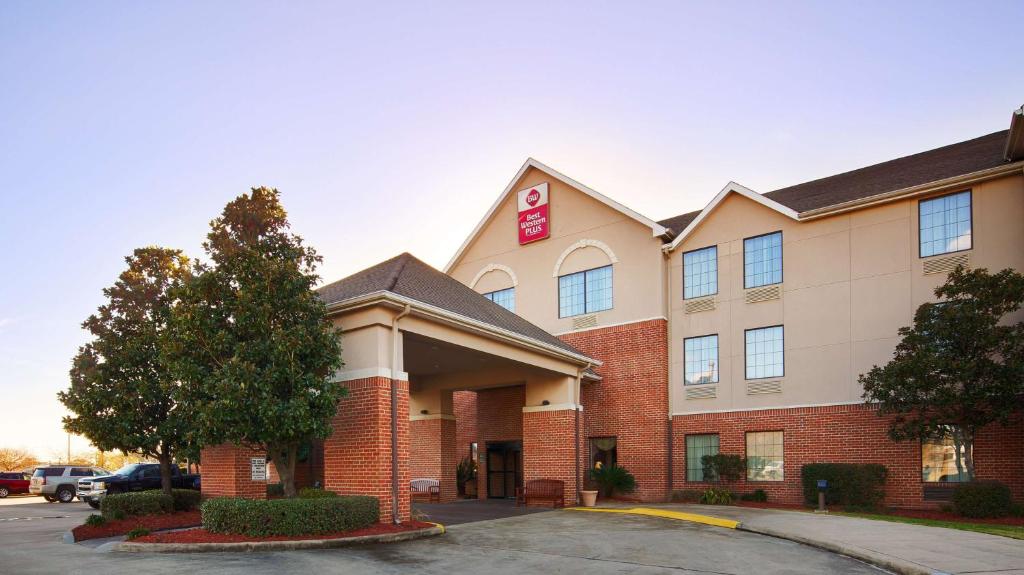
{"x":611,"y":479}
{"x":465,"y":473}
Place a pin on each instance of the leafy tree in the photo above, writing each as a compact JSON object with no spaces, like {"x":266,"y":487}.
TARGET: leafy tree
{"x":122,"y":394}
{"x":250,"y":340}
{"x":960,"y":367}
{"x":13,"y":459}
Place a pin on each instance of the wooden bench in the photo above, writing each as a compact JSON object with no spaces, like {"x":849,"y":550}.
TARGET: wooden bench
{"x":429,"y":489}
{"x":552,"y":490}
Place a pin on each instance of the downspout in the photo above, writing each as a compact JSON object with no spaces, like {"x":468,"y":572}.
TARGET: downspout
{"x":394,"y":413}
{"x":576,"y":409}
{"x":667,"y":302}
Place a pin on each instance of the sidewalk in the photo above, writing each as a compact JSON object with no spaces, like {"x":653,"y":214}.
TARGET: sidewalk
{"x":902,"y":548}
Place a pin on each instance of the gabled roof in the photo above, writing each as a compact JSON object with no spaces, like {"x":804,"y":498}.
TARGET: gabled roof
{"x":410,"y":278}
{"x":730,"y":188}
{"x":656,"y":228}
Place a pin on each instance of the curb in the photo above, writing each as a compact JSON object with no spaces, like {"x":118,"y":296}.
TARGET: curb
{"x":248,"y":546}
{"x":880,"y":560}
{"x":664,"y":514}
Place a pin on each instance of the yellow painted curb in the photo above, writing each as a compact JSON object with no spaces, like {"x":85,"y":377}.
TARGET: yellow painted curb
{"x":443,"y":530}
{"x":665,"y":514}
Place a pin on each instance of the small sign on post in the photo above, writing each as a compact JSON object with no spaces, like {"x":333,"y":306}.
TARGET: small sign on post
{"x":822,"y":487}
{"x":258,"y":465}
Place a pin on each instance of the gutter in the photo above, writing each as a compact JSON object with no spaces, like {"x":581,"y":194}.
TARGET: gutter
{"x":1015,"y":140}
{"x":394,"y":413}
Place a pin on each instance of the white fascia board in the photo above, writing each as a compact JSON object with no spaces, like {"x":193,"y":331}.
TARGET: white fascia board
{"x":731,"y":188}
{"x":656,"y":228}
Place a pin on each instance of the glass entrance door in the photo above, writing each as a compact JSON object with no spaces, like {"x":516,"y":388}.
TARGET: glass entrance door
{"x":504,"y":469}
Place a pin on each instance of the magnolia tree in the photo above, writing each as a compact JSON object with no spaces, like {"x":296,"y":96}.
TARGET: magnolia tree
{"x":960,"y":367}
{"x":122,"y":395}
{"x":249,"y":338}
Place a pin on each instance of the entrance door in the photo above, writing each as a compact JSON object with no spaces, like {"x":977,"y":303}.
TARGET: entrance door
{"x":504,"y":469}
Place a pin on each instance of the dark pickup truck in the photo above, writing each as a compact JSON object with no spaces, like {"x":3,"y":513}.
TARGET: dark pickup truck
{"x":132,"y":477}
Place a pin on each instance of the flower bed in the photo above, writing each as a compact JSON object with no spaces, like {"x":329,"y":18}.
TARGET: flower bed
{"x":151,"y":522}
{"x":201,"y":535}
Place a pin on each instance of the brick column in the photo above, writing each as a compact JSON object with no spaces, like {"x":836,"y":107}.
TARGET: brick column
{"x":227,"y":472}
{"x":433,"y":452}
{"x":549,"y":447}
{"x":357,"y":456}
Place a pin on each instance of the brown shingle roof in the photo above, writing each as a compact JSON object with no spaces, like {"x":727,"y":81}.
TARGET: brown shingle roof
{"x":938,"y":164}
{"x":407,"y":276}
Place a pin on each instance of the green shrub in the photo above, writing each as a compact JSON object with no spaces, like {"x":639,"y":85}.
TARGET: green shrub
{"x":982,"y":499}
{"x":1017,"y":509}
{"x":758,"y":495}
{"x":186,"y":499}
{"x":612,"y":479}
{"x":136,"y":533}
{"x":315,"y":493}
{"x":95,"y":520}
{"x":716,"y":496}
{"x":723,"y":466}
{"x":686,"y":496}
{"x":275,"y":490}
{"x":121,"y":505}
{"x":261,"y":518}
{"x":859,"y":485}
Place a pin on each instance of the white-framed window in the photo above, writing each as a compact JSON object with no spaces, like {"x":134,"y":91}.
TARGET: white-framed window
{"x":764,"y":456}
{"x":700,"y":358}
{"x":585,"y":292}
{"x":506,"y":298}
{"x":764,"y":352}
{"x":700,"y":272}
{"x":945,"y":224}
{"x":697,"y":446}
{"x":762,"y":260}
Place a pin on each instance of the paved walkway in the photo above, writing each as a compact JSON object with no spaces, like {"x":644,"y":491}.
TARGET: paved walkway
{"x":471,"y":510}
{"x":899,"y":547}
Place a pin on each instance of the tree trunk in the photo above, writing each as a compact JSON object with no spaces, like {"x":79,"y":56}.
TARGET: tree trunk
{"x":165,"y":469}
{"x":284,"y":462}
{"x":968,"y":442}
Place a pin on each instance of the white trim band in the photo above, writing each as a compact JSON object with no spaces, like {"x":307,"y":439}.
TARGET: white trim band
{"x":768,"y":408}
{"x":431,"y":416}
{"x":661,"y":317}
{"x":368,"y":372}
{"x":553,"y":407}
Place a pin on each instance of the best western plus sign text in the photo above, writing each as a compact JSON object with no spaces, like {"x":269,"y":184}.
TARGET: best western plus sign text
{"x":534,"y":222}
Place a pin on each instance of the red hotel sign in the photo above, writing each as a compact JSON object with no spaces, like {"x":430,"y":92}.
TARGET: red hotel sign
{"x":534,"y":220}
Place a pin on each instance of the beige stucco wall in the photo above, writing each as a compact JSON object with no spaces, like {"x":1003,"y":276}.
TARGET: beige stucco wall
{"x":849,"y":283}
{"x":574,"y":216}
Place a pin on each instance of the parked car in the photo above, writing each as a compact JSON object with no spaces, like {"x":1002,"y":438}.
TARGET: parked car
{"x":60,"y":482}
{"x":132,"y":477}
{"x":13,"y":482}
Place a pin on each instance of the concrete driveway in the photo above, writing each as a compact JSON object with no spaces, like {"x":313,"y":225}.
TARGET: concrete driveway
{"x":559,"y":541}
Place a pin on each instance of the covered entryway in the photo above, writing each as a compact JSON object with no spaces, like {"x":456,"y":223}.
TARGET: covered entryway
{"x":472,"y":510}
{"x":504,"y":469}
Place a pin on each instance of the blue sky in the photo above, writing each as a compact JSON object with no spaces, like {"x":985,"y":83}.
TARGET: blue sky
{"x":391,"y":127}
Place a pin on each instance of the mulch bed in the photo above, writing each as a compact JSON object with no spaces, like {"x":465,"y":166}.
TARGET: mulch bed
{"x":151,"y":522}
{"x":201,"y":535}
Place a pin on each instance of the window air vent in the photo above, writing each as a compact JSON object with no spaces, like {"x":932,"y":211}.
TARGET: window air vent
{"x":759,"y":387}
{"x":702,"y":392}
{"x":763,"y":293}
{"x":700,"y":304}
{"x":583,"y":321}
{"x":946,"y":264}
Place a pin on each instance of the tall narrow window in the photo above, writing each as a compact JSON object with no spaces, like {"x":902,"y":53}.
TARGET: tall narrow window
{"x":585,"y":292}
{"x":764,"y":456}
{"x":603,"y":451}
{"x":943,"y":458}
{"x":700,"y":356}
{"x":764,"y":352}
{"x":945,"y":224}
{"x":506,"y":298}
{"x":697,"y":446}
{"x":700,"y":272}
{"x":762,"y":260}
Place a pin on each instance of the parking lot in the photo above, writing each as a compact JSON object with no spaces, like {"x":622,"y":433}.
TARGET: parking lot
{"x":559,"y":541}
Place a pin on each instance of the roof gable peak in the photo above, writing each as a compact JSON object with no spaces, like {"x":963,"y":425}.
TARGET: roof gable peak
{"x":730,"y":188}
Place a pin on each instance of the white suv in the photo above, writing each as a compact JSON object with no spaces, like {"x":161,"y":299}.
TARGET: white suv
{"x":59,"y":482}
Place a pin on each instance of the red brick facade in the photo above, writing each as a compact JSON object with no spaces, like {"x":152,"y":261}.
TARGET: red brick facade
{"x":548,"y":447}
{"x":499,"y":418}
{"x":631,"y":401}
{"x":464,"y":403}
{"x":227,"y":472}
{"x":842,"y":433}
{"x":357,"y":456}
{"x":433,"y":453}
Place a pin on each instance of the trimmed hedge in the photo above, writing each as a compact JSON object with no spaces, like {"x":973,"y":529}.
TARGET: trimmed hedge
{"x":982,"y":499}
{"x":315,"y":493}
{"x":186,"y":499}
{"x":263,"y":518}
{"x":121,"y":505}
{"x":849,"y":484}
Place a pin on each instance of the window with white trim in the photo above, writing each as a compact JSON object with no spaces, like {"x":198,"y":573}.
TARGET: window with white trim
{"x":765,"y":356}
{"x":762,"y":260}
{"x":506,"y":298}
{"x":764,"y":456}
{"x":585,"y":292}
{"x":700,"y":358}
{"x":700,"y":272}
{"x":697,"y":446}
{"x":945,"y":224}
